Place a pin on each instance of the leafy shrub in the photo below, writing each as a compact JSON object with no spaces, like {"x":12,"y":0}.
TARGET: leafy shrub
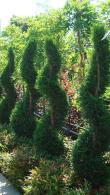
{"x":7,"y":140}
{"x":82,"y":190}
{"x":17,"y":164}
{"x":48,"y":178}
{"x":53,"y":177}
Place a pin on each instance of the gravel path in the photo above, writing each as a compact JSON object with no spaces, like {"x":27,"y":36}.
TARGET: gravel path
{"x":6,"y":188}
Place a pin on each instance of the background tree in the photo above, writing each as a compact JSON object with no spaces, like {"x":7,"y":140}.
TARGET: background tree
{"x":8,"y":102}
{"x":46,"y":134}
{"x":21,"y":22}
{"x":13,"y":36}
{"x":23,"y":120}
{"x":88,"y":160}
{"x":105,"y":12}
{"x":81,"y":16}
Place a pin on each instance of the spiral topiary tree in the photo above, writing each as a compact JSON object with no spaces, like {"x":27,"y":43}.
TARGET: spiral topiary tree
{"x":8,"y":101}
{"x":46,"y":135}
{"x":88,"y":151}
{"x":23,"y":120}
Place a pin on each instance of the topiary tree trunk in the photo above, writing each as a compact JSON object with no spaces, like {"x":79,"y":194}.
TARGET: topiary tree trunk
{"x":46,"y":134}
{"x":8,"y":101}
{"x":23,"y":120}
{"x":88,"y":151}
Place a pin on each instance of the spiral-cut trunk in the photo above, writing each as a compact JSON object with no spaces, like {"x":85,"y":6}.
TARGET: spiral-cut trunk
{"x":46,"y":135}
{"x":8,"y":101}
{"x":23,"y":120}
{"x":88,"y":160}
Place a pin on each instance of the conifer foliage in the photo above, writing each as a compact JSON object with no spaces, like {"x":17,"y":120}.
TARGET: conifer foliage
{"x":8,"y":101}
{"x":88,"y":160}
{"x":46,"y":134}
{"x":23,"y":119}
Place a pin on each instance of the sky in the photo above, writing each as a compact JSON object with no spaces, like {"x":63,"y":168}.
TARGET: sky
{"x":8,"y":8}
